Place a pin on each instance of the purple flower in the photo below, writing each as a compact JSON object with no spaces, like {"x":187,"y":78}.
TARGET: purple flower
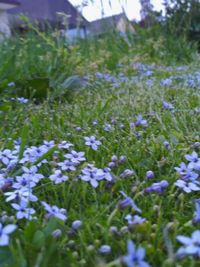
{"x":196,"y":217}
{"x":191,"y":245}
{"x":194,"y":161}
{"x":11,"y":84}
{"x":95,"y":122}
{"x":105,"y":249}
{"x":33,"y":153}
{"x":108,"y":127}
{"x":188,"y":187}
{"x":67,"y":165}
{"x":64,"y":145}
{"x":186,"y":173}
{"x":191,"y":82}
{"x":166,"y":82}
{"x":127,"y":173}
{"x":127,"y":202}
{"x":122,"y":159}
{"x":23,"y":181}
{"x":58,"y":177}
{"x":6,"y":156}
{"x":106,"y":174}
{"x":75,"y":157}
{"x":92,"y":175}
{"x":132,"y":220}
{"x":140,"y":121}
{"x":159,"y":187}
{"x":135,"y":257}
{"x":76,"y":224}
{"x":166,"y":145}
{"x":23,"y":211}
{"x":48,"y":144}
{"x":167,"y":105}
{"x":92,"y":142}
{"x":23,"y":193}
{"x":32,"y":173}
{"x":55,"y":211}
{"x":57,"y":233}
{"x":22,"y":100}
{"x":4,"y":233}
{"x":182,"y":168}
{"x":150,"y":175}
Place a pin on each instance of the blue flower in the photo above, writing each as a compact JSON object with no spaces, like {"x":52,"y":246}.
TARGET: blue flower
{"x":4,"y":233}
{"x":135,"y":257}
{"x":93,"y":175}
{"x":64,"y":145}
{"x":194,"y":161}
{"x":140,"y":121}
{"x":105,"y":249}
{"x":58,"y":177}
{"x":188,"y":187}
{"x":196,"y":218}
{"x":22,"y":100}
{"x":54,"y":211}
{"x":127,"y":173}
{"x":167,"y":105}
{"x":67,"y":165}
{"x":132,"y":220}
{"x":159,"y":187}
{"x":76,"y":224}
{"x":186,"y":172}
{"x":166,"y":82}
{"x":149,"y":174}
{"x":23,"y":211}
{"x":75,"y":157}
{"x":127,"y":202}
{"x":191,"y":245}
{"x":92,"y":142}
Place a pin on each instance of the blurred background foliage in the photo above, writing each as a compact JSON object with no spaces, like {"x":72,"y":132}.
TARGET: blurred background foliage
{"x":183,"y":19}
{"x":46,"y":64}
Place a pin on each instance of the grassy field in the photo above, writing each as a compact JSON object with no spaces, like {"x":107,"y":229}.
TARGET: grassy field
{"x":99,"y":153}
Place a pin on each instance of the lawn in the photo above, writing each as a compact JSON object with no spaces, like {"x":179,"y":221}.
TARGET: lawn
{"x":99,"y":154}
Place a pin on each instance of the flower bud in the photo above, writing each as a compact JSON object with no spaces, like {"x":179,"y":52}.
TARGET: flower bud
{"x":76,"y":224}
{"x":114,"y":158}
{"x":105,"y":249}
{"x":57,"y":233}
{"x":150,"y":174}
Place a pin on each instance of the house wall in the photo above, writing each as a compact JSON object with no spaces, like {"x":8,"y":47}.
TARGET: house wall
{"x":4,"y":25}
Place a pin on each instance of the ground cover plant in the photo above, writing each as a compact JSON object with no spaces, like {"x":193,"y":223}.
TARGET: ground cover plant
{"x":103,"y":176}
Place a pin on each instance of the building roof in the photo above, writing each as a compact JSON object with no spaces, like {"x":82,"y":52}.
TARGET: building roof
{"x":110,"y":21}
{"x":105,"y":24}
{"x":11,"y":2}
{"x":7,"y":4}
{"x":46,"y":10}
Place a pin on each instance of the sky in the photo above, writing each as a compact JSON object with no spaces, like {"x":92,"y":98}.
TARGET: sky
{"x":131,"y":8}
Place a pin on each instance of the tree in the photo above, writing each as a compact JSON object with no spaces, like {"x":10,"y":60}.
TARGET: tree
{"x":183,"y":18}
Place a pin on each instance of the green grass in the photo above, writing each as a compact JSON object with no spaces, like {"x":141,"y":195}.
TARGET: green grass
{"x":167,"y":215}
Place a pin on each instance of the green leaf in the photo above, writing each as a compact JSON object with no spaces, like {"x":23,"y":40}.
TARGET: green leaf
{"x":30,"y":230}
{"x":35,"y":87}
{"x":38,"y":239}
{"x":24,"y":140}
{"x":51,"y":226}
{"x":5,"y":107}
{"x":6,"y":258}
